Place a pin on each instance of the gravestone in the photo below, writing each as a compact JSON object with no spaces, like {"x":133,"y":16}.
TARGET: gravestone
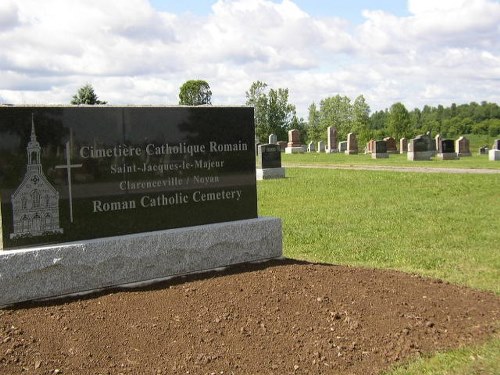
{"x":294,"y":146}
{"x":269,"y":162}
{"x":311,"y":147}
{"x":370,"y":145}
{"x":403,"y":145}
{"x":494,"y":153}
{"x":100,"y":196}
{"x":438,"y":141}
{"x":391,"y":145}
{"x":421,"y":148}
{"x":342,"y":146}
{"x":273,"y":139}
{"x":331,"y":146}
{"x":447,"y":147}
{"x":321,"y":147}
{"x":462,"y":147}
{"x":483,"y":150}
{"x":282,"y":145}
{"x":352,"y":144}
{"x":380,"y":150}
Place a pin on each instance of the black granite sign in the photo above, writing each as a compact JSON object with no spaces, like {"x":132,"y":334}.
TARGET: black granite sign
{"x":269,"y":156}
{"x":75,"y":173}
{"x":496,"y":144}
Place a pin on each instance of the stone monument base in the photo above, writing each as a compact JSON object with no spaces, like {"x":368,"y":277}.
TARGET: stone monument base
{"x":447,"y":156}
{"x":294,"y":150}
{"x":420,"y":155}
{"x":494,"y":155}
{"x":78,"y":267}
{"x":331,"y":150}
{"x":380,"y":155}
{"x":464,"y":154}
{"x":268,"y":173}
{"x":350,"y":152}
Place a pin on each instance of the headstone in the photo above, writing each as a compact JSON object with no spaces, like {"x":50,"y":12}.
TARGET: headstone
{"x":321,"y":147}
{"x":483,"y":150}
{"x":342,"y":146}
{"x":273,"y":139}
{"x":99,"y":196}
{"x":294,"y":146}
{"x":370,"y":146}
{"x":331,"y":140}
{"x":420,"y":148}
{"x":494,"y":153}
{"x":380,"y":150}
{"x":438,"y":140}
{"x":391,"y":145}
{"x":447,"y":147}
{"x":462,"y":147}
{"x":282,"y":145}
{"x":403,"y":146}
{"x":269,"y":162}
{"x":311,"y":147}
{"x":352,"y":144}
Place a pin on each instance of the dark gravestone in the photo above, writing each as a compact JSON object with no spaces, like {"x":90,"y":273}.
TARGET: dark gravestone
{"x":77,"y":173}
{"x":420,"y":144}
{"x":448,"y":146}
{"x":496,"y":144}
{"x":269,"y":156}
{"x":380,"y":147}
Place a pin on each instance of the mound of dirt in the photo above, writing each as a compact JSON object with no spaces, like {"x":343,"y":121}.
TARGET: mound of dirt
{"x":279,"y":317}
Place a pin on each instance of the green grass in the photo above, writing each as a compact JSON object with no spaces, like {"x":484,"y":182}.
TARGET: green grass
{"x":439,"y":225}
{"x":395,"y":160}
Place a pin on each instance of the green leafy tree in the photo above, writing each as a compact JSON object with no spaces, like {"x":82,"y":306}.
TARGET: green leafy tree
{"x":195,"y":92}
{"x":336,"y":111}
{"x":86,"y":95}
{"x":399,"y":124}
{"x":361,"y":119}
{"x":273,"y":114}
{"x":313,"y":127}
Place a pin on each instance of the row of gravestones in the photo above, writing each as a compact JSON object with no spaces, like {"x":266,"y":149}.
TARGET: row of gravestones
{"x":422,"y":147}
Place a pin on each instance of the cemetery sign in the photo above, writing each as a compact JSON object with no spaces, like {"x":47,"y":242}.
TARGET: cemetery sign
{"x":82,"y":172}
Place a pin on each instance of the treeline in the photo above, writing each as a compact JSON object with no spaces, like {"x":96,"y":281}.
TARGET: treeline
{"x":275,"y":115}
{"x":397,"y":121}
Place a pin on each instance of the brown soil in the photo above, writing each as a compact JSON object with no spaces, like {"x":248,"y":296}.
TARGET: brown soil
{"x":279,"y":317}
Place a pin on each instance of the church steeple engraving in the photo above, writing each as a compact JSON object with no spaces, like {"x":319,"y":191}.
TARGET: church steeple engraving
{"x":35,"y":203}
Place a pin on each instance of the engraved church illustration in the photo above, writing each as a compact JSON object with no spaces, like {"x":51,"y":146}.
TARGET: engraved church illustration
{"x":35,"y":203}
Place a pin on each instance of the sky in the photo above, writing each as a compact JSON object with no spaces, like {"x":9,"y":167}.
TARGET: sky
{"x":417,"y":52}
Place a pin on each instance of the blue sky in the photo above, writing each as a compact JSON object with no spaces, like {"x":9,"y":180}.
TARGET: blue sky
{"x":348,"y":9}
{"x":418,"y":52}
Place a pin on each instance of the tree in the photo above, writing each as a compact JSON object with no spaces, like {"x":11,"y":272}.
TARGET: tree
{"x":86,"y":95}
{"x":399,"y":124}
{"x":336,"y":111}
{"x":195,"y":92}
{"x":273,"y":114}
{"x":313,"y":129}
{"x":361,"y":119}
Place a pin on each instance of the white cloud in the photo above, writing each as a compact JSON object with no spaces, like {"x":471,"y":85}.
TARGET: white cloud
{"x":443,"y":52}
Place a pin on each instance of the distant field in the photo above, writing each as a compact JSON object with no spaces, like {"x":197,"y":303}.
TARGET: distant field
{"x":439,"y":225}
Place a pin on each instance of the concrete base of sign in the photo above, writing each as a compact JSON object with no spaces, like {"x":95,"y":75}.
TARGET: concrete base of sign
{"x":73,"y":268}
{"x":268,"y":173}
{"x":494,"y":155}
{"x":420,"y":155}
{"x":447,"y":156}
{"x":294,"y":150}
{"x":380,"y":155}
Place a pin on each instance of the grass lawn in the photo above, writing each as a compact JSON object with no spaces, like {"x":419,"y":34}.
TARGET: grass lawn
{"x":439,"y":225}
{"x":395,"y":160}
